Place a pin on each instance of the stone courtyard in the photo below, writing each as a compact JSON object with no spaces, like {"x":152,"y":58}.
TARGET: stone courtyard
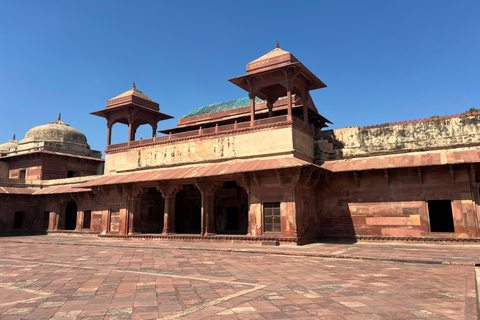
{"x":58,"y":277}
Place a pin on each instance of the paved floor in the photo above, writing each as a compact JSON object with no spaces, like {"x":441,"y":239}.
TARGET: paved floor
{"x":57,"y":277}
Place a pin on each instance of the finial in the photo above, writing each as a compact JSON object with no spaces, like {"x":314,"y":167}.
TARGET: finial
{"x":277,"y":46}
{"x":133,"y":87}
{"x":59,"y":116}
{"x":14,"y":136}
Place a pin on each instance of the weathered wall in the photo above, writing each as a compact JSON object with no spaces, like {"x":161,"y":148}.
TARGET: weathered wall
{"x":373,"y":205}
{"x":253,"y":144}
{"x":33,"y":217}
{"x":414,"y":135}
{"x":32,"y":167}
{"x":4,"y":167}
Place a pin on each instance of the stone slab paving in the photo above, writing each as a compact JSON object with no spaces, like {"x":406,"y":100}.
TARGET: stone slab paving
{"x":84,"y":278}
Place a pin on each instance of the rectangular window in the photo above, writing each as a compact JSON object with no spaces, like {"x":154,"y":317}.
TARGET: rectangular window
{"x":271,"y":217}
{"x":21,"y":174}
{"x":18,"y":219}
{"x":87,"y":218}
{"x":115,"y":220}
{"x":441,"y":216}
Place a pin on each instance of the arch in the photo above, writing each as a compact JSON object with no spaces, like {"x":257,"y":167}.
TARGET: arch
{"x":71,"y":216}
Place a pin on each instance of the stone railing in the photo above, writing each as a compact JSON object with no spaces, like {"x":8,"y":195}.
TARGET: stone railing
{"x":230,"y":128}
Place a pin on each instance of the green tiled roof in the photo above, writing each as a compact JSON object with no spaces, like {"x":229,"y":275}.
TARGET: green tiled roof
{"x":222,"y":106}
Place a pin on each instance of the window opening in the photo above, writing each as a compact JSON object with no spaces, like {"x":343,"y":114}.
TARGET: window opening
{"x":87,"y":218}
{"x":441,"y":216}
{"x":18,"y":219}
{"x":72,"y":174}
{"x":271,"y":217}
{"x":22,"y":174}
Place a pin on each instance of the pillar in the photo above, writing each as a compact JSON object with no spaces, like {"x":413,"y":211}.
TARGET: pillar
{"x":109,"y":134}
{"x":169,"y":214}
{"x":251,"y":95}
{"x":134,"y":210}
{"x":154,"y":130}
{"x":208,"y":212}
{"x":130,"y":131}
{"x":270,"y":108}
{"x":289,"y":103}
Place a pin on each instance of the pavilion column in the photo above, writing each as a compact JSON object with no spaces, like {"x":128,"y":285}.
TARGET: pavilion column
{"x":251,"y":95}
{"x":270,"y":108}
{"x":109,"y":134}
{"x":154,"y":130}
{"x":289,"y":101}
{"x":130,"y":131}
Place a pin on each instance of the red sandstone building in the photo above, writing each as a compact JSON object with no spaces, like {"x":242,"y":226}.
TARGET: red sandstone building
{"x":257,"y":169}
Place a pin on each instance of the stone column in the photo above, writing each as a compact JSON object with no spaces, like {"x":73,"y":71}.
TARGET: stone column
{"x":133,"y":212}
{"x":52,"y":221}
{"x":169,"y":193}
{"x":207,"y":190}
{"x":169,"y":214}
{"x":109,"y":134}
{"x":154,"y":130}
{"x":251,"y":95}
{"x":289,"y":102}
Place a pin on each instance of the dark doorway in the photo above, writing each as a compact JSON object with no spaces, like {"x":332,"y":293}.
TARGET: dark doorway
{"x":46,"y":219}
{"x":188,"y":210}
{"x":151,"y":212}
{"x":18,"y":219}
{"x":441,"y":216}
{"x":87,"y":218}
{"x":71,"y":216}
{"x":232,"y":218}
{"x":231,"y":203}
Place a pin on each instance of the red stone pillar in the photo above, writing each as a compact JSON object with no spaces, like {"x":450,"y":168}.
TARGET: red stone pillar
{"x":289,"y":104}
{"x":130,"y":131}
{"x":270,"y":108}
{"x":109,"y":134}
{"x":169,"y":214}
{"x":207,"y":190}
{"x":133,"y":211}
{"x":251,"y":95}
{"x":154,"y":130}
{"x":208,"y":212}
{"x":52,"y":223}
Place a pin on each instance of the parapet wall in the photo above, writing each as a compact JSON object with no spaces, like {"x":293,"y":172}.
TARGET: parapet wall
{"x":415,"y":135}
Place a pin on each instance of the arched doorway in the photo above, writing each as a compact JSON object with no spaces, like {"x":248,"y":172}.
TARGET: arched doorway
{"x":188,"y":210}
{"x":71,"y":216}
{"x":231,"y":209}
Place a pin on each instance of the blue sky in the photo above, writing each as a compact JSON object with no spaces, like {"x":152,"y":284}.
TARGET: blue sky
{"x":382,"y":61}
